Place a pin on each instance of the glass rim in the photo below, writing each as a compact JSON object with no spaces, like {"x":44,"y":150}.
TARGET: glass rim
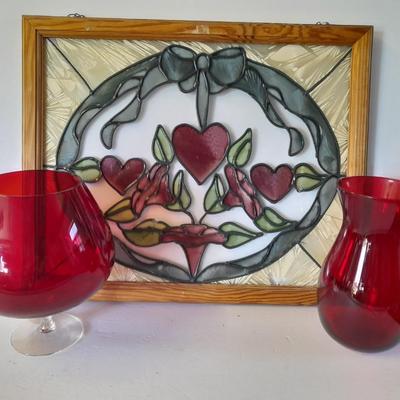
{"x":368,"y":178}
{"x":77,"y":182}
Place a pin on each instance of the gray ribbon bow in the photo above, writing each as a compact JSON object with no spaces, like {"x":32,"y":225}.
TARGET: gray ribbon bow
{"x":209,"y":74}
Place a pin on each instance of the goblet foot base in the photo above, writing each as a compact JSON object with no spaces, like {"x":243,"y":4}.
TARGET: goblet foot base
{"x":41,"y":337}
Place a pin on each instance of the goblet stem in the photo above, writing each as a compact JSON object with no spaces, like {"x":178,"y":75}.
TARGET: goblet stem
{"x":47,"y":325}
{"x":47,"y":335}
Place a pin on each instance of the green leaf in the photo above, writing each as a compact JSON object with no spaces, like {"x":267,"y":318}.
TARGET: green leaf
{"x":182,"y":195}
{"x":121,"y":212}
{"x":88,"y":169}
{"x":240,"y":151}
{"x":214,"y":197}
{"x":147,"y":233}
{"x":162,"y":146}
{"x":307,"y":178}
{"x":305,"y":183}
{"x":237,"y":236}
{"x":174,"y":206}
{"x":270,"y":221}
{"x":305,"y":169}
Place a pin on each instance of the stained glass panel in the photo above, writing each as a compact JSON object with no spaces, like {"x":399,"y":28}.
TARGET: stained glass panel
{"x":211,"y":161}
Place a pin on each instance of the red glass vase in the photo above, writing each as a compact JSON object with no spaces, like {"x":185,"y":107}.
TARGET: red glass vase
{"x":359,"y":288}
{"x":56,"y":250}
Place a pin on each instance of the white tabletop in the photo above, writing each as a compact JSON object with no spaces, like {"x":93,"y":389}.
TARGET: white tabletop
{"x":185,"y":351}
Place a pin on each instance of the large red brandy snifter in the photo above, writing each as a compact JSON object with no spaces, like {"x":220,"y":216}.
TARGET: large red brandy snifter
{"x":56,"y":250}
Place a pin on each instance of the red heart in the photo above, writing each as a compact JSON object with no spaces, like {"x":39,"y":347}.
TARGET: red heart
{"x":119,"y":176}
{"x":200,"y":152}
{"x":274,"y":185}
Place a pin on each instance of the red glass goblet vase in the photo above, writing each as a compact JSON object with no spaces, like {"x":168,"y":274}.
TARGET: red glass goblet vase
{"x":55,"y":251}
{"x":359,"y":288}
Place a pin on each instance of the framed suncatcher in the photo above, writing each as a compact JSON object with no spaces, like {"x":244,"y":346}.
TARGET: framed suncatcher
{"x":212,"y":148}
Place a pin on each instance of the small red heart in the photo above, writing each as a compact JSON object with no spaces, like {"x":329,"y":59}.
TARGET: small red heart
{"x":274,"y":185}
{"x":200,"y":152}
{"x":119,"y":176}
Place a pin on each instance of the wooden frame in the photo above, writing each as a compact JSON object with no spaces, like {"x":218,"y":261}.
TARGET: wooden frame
{"x":36,"y":29}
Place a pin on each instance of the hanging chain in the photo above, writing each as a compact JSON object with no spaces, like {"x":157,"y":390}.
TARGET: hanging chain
{"x":75,"y":15}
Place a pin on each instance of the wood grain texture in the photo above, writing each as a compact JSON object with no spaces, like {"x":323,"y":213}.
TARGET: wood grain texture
{"x":207,"y":293}
{"x":32,"y":112}
{"x":196,"y":30}
{"x":359,"y":104}
{"x":36,"y":29}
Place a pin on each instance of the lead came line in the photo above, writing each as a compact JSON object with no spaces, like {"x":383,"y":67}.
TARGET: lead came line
{"x":328,"y":73}
{"x":309,"y":255}
{"x":72,"y":65}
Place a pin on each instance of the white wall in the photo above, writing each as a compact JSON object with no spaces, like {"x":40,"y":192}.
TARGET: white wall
{"x":384,"y":15}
